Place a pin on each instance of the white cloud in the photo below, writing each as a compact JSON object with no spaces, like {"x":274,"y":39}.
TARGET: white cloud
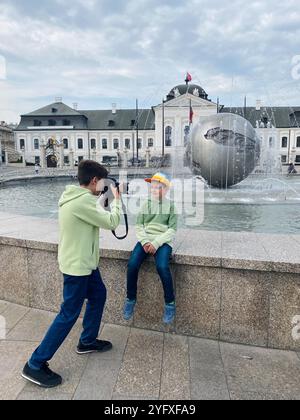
{"x":99,"y":49}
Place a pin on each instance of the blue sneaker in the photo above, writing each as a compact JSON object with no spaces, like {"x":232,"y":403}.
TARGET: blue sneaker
{"x":170,"y":312}
{"x":129,"y":309}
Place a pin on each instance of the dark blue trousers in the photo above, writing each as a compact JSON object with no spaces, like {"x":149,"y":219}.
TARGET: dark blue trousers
{"x":162,"y":259}
{"x":76,"y":290}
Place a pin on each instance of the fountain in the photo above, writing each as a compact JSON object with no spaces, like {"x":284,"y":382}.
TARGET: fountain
{"x":224,"y":150}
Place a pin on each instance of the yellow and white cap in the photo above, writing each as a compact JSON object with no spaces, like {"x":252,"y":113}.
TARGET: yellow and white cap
{"x":160,"y":177}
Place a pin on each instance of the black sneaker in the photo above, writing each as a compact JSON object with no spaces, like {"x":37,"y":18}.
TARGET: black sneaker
{"x":98,"y":347}
{"x":44,"y":377}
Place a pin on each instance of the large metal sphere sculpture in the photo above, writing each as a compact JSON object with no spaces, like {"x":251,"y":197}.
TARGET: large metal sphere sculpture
{"x":224,"y":149}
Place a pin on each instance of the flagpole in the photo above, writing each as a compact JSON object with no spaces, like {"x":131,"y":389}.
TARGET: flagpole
{"x":163,"y":127}
{"x":245,"y":107}
{"x":137,"y":130}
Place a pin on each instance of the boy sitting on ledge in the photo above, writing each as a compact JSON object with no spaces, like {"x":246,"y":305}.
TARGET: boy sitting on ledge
{"x":156,"y":228}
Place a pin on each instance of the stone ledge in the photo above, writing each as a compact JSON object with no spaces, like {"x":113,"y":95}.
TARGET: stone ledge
{"x":224,"y":290}
{"x":240,"y":251}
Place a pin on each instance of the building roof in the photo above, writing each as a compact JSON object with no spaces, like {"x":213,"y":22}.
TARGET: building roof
{"x":183,"y":89}
{"x":124,"y":119}
{"x":58,"y":109}
{"x":279,"y":117}
{"x":104,"y":120}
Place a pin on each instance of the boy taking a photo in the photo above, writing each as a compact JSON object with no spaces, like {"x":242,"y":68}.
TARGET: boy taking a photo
{"x":80,"y":220}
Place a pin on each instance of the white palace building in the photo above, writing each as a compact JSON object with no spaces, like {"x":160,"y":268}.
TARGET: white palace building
{"x":104,"y":135}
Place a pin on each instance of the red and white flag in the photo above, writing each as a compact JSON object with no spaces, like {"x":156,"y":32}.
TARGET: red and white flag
{"x":188,"y":77}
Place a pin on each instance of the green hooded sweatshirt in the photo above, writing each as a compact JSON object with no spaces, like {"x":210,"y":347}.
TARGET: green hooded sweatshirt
{"x":80,"y":218}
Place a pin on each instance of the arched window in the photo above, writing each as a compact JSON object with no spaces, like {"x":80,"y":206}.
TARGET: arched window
{"x":36,"y":144}
{"x":93,"y":144}
{"x":80,"y":143}
{"x":116,"y":144}
{"x":168,"y":136}
{"x":298,"y":142}
{"x":150,"y":142}
{"x":22,"y":144}
{"x":104,"y":144}
{"x":127,"y":143}
{"x":66,"y":143}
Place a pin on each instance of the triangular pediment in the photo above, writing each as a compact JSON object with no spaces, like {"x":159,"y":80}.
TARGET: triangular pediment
{"x":185,"y":101}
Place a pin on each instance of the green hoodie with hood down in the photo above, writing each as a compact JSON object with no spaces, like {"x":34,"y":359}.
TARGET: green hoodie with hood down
{"x":80,"y":218}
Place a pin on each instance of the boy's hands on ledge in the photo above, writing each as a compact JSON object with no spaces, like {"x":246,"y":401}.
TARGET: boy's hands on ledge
{"x":150,"y":249}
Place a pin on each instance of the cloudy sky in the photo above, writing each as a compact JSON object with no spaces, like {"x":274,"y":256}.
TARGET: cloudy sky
{"x":96,"y":52}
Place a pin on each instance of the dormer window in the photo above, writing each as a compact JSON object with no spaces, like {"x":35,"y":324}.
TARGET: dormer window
{"x":133,"y":123}
{"x":111,"y":123}
{"x":295,"y":119}
{"x":54,"y":110}
{"x":265,"y":121}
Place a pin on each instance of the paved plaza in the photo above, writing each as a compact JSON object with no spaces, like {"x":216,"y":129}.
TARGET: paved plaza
{"x":144,"y":365}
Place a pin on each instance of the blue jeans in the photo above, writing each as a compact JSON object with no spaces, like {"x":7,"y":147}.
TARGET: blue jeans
{"x":76,"y":290}
{"x":162,"y":259}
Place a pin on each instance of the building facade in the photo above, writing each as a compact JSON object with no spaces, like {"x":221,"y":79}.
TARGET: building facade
{"x":7,"y":144}
{"x":105,"y":134}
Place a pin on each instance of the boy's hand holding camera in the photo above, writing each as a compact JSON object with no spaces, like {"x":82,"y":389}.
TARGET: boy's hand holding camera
{"x":116,"y":192}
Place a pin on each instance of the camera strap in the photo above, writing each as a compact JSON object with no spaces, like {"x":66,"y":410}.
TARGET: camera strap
{"x":124,"y":209}
{"x":121,"y":238}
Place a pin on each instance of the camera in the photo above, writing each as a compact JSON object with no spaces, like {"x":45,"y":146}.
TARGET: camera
{"x":107,"y":195}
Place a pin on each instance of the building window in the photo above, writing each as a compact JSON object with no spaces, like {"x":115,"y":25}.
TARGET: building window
{"x":22,"y":144}
{"x":298,"y":143}
{"x":104,"y":144}
{"x":283,"y":159}
{"x":36,"y":144}
{"x":150,"y":142}
{"x":284,"y":142}
{"x":271,"y":142}
{"x":127,"y":143}
{"x":116,"y":144}
{"x":295,"y":119}
{"x":80,"y":159}
{"x":80,"y":143}
{"x":66,"y":143}
{"x":66,"y":160}
{"x":298,"y":159}
{"x":66,"y":123}
{"x":140,"y":144}
{"x":37,"y":123}
{"x":93,"y":144}
{"x":111,"y":123}
{"x":168,"y":136}
{"x":52,"y":123}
